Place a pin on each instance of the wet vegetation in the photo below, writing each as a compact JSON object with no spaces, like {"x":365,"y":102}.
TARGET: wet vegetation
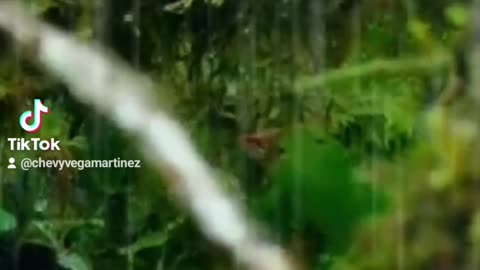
{"x":349,"y":128}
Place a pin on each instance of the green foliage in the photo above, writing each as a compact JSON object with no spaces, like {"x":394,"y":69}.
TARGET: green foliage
{"x":7,"y":221}
{"x":314,"y":192}
{"x":355,"y":96}
{"x":73,"y":262}
{"x":458,"y":15}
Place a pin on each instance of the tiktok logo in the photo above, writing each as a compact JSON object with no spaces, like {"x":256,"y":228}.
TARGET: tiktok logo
{"x":36,"y":115}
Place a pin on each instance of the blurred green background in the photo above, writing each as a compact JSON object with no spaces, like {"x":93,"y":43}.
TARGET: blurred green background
{"x":348,"y":127}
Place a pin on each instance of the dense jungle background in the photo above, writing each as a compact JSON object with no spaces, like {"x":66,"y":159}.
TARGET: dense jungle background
{"x":348,"y":127}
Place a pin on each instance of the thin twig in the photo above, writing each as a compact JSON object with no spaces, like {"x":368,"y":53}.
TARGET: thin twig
{"x":383,"y":67}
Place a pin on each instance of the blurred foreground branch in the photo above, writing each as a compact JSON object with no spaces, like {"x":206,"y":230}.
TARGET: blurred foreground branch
{"x":127,"y":98}
{"x":394,"y":67}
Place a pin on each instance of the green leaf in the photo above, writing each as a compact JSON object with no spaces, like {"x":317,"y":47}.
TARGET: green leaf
{"x":457,"y":15}
{"x":73,"y":261}
{"x":7,"y":221}
{"x":179,"y":6}
{"x":422,"y":33}
{"x":156,"y":239}
{"x":41,"y":6}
